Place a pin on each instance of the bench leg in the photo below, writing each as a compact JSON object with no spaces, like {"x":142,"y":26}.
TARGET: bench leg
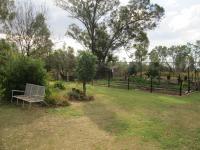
{"x":11,"y":99}
{"x":29,"y":105}
{"x":44,"y":103}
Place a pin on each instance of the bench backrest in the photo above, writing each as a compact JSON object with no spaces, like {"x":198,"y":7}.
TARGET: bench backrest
{"x":34,"y":90}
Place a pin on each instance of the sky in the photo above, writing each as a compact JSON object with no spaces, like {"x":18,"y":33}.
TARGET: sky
{"x":179,"y":25}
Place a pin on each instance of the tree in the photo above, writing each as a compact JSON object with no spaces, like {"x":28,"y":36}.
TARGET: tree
{"x":29,"y":31}
{"x":153,"y":70}
{"x":6,"y":50}
{"x":154,"y":56}
{"x":7,"y":53}
{"x":141,"y":54}
{"x":171,"y":55}
{"x":107,"y":26}
{"x":63,"y":62}
{"x":160,"y":54}
{"x":182,"y":58}
{"x":86,"y":68}
{"x":195,"y":53}
{"x":132,"y":69}
{"x":119,"y":68}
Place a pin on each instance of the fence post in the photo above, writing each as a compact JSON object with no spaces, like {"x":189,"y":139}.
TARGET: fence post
{"x":108,"y":78}
{"x":181,"y":86}
{"x":151,"y":84}
{"x":128,"y":83}
{"x":189,"y":80}
{"x":195,"y":80}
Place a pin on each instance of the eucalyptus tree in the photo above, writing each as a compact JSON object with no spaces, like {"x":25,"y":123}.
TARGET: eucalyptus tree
{"x":106,"y":26}
{"x":179,"y":57}
{"x":29,"y":30}
{"x":195,"y":53}
{"x":62,"y":62}
{"x":154,"y":56}
{"x":141,"y":53}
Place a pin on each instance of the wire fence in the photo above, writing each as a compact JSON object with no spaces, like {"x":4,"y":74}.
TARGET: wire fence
{"x":170,"y":79}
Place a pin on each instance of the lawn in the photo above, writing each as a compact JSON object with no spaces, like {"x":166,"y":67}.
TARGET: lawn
{"x":117,"y":119}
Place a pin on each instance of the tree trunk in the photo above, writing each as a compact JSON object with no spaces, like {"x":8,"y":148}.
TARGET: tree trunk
{"x":84,"y":88}
{"x":141,"y":69}
{"x":67,"y":76}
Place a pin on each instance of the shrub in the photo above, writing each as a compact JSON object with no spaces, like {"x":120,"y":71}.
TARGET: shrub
{"x":57,"y":100}
{"x":59,"y":85}
{"x":20,"y":71}
{"x":139,"y":80}
{"x":76,"y":94}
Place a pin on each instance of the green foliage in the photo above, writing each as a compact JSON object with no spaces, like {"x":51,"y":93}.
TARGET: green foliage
{"x":7,"y":51}
{"x":154,"y":56}
{"x":59,"y":85}
{"x":153,"y":70}
{"x":133,"y":69}
{"x":141,"y":53}
{"x":62,"y":63}
{"x":119,"y":68}
{"x":7,"y":54}
{"x":86,"y":68}
{"x":140,"y":80}
{"x":20,"y":71}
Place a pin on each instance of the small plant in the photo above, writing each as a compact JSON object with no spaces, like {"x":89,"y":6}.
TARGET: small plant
{"x":59,"y":85}
{"x":57,"y":100}
{"x":76,"y":94}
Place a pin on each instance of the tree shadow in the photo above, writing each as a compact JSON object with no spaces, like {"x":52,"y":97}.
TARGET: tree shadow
{"x":105,"y":118}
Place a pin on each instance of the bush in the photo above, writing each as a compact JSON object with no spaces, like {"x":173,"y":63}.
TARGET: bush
{"x":139,"y":80}
{"x":57,"y":100}
{"x":20,"y":71}
{"x":76,"y":94}
{"x":59,"y":85}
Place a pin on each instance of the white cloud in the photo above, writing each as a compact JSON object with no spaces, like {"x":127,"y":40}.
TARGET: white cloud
{"x":188,"y":18}
{"x":179,"y":26}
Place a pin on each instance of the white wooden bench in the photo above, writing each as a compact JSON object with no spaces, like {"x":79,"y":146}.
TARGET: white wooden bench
{"x":32,"y":94}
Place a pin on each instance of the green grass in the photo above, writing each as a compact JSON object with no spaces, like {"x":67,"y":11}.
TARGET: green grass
{"x":117,"y":119}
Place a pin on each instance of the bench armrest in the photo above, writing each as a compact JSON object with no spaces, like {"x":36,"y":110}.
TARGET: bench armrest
{"x":17,"y":91}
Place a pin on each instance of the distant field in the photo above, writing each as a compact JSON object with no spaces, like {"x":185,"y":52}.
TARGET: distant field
{"x":117,"y":120}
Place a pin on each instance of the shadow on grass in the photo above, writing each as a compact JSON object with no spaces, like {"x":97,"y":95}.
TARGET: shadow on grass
{"x":105,"y":118}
